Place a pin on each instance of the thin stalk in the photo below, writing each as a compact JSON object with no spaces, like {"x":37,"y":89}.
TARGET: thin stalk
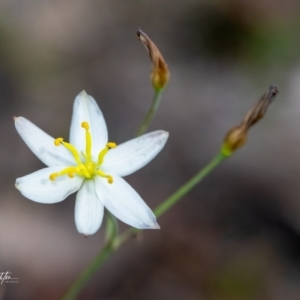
{"x":87,"y":274}
{"x":148,"y":118}
{"x":113,"y":245}
{"x":183,"y":190}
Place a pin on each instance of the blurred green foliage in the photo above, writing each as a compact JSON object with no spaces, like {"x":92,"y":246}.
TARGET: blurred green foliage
{"x":226,"y":34}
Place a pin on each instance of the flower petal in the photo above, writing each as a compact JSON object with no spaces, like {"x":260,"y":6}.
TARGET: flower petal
{"x":39,"y":188}
{"x":86,"y":109}
{"x":42,"y":144}
{"x":125,"y":203}
{"x":134,"y":154}
{"x":89,"y":209}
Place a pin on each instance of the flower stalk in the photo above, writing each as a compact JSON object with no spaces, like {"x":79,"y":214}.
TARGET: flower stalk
{"x":151,"y":113}
{"x":113,"y":245}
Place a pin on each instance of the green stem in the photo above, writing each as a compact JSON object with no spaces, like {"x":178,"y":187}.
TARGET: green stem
{"x":183,"y":190}
{"x":90,"y":270}
{"x":111,"y":229}
{"x":113,"y":245}
{"x":148,"y":118}
{"x":175,"y":197}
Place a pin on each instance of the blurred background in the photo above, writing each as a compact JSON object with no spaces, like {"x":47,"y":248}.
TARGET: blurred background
{"x":236,"y":236}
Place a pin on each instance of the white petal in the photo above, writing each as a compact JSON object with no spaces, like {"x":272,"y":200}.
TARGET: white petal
{"x":42,"y":144}
{"x":134,"y":154}
{"x":86,"y":109}
{"x":88,"y":209}
{"x":125,"y":203}
{"x":39,"y":188}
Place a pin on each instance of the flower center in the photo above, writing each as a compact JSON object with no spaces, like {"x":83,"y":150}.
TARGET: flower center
{"x":87,"y":168}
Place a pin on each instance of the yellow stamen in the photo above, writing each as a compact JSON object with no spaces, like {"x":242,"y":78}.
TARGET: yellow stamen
{"x":101,"y":156}
{"x":70,"y":147}
{"x":70,"y":171}
{"x":102,"y":153}
{"x":88,"y":141}
{"x":110,"y":179}
{"x":74,"y":152}
{"x":87,"y":168}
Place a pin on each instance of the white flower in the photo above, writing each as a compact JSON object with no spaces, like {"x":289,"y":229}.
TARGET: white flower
{"x":90,"y":165}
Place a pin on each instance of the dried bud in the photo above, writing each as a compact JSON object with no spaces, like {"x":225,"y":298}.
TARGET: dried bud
{"x":237,"y":136}
{"x":160,"y":73}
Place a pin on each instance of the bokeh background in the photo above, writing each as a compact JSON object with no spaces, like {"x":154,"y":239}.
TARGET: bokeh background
{"x":236,"y":236}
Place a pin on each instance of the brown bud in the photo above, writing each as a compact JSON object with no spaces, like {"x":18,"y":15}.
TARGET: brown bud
{"x":237,"y":136}
{"x":160,"y":73}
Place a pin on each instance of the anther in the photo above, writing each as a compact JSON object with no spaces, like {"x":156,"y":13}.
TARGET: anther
{"x":85,"y":125}
{"x":111,"y":145}
{"x":109,"y":179}
{"x":58,"y":141}
{"x":53,"y":176}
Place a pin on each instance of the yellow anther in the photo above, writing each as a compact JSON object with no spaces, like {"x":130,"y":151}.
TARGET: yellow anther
{"x":110,"y":179}
{"x":58,"y":141}
{"x":111,"y":145}
{"x":71,"y":174}
{"x":85,"y":125}
{"x":53,"y":176}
